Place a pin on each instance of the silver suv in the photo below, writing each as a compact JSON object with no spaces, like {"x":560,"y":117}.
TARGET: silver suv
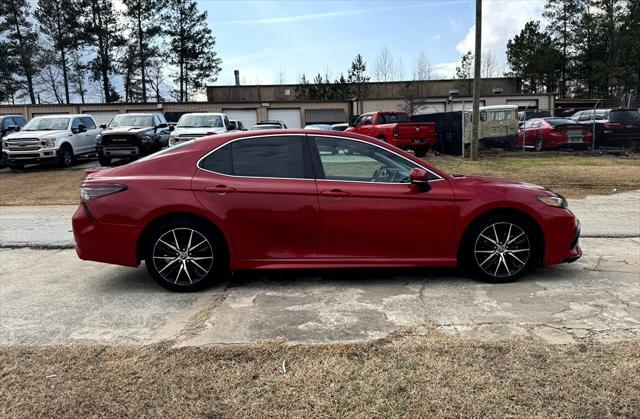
{"x":51,"y":138}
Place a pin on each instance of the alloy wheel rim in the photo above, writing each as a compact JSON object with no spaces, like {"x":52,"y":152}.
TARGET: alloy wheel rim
{"x":539,"y":144}
{"x":502,"y":249}
{"x":183,"y":256}
{"x":67,"y":158}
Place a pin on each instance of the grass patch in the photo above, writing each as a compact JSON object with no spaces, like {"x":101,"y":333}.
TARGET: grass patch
{"x":47,"y":187}
{"x":433,"y":375}
{"x":574,"y":175}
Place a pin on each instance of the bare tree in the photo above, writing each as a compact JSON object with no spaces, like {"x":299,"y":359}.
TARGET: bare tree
{"x":422,"y":69}
{"x":490,"y":66}
{"x":398,"y":72}
{"x":383,"y":68}
{"x":281,"y":77}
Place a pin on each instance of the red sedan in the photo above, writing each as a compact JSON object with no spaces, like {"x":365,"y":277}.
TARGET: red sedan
{"x":296,"y":199}
{"x":546,"y":133}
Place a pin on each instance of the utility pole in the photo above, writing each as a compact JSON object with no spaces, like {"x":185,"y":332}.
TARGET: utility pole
{"x":476,"y":83}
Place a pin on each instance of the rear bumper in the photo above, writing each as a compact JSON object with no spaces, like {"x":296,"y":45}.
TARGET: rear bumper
{"x":412,"y":144}
{"x":107,"y":243}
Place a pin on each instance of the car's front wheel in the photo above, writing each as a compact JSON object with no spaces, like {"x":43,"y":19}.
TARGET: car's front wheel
{"x":501,"y":248}
{"x":65,"y":156}
{"x":539,"y":144}
{"x":185,"y":255}
{"x":104,"y":160}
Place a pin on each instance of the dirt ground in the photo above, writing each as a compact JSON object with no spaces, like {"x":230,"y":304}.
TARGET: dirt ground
{"x":574,"y":175}
{"x":406,"y":375}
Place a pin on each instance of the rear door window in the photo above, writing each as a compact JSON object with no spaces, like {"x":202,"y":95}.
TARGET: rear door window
{"x":271,"y":157}
{"x":624,"y":116}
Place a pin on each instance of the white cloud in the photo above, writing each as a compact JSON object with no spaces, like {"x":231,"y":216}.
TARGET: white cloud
{"x":445,"y":70}
{"x":335,"y":14}
{"x":501,"y":20}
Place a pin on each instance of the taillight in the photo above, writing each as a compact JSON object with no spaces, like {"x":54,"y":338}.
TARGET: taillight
{"x":89,"y":191}
{"x":396,"y":131}
{"x":612,"y":124}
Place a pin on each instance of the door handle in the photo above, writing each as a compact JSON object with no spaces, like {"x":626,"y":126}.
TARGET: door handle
{"x":335,"y":193}
{"x":221,"y":189}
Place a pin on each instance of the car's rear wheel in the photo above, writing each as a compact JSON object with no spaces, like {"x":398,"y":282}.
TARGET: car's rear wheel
{"x":539,"y":144}
{"x":501,"y":248}
{"x":185,"y":255}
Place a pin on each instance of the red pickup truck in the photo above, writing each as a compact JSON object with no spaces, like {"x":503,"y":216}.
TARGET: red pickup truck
{"x":397,"y":129}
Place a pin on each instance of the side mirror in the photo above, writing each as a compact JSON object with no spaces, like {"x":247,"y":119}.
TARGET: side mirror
{"x":232,"y":126}
{"x":420,"y":178}
{"x":163,"y":125}
{"x":82,"y":128}
{"x":15,"y":128}
{"x":171,"y":128}
{"x":103,"y":126}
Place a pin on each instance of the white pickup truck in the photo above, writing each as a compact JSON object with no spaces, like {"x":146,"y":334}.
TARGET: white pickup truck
{"x":49,"y":139}
{"x":196,"y":125}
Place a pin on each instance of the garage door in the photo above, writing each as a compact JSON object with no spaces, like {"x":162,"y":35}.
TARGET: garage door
{"x":291,"y":117}
{"x":429,"y":108}
{"x":102,"y":117}
{"x":33,"y":115}
{"x":248,"y":117}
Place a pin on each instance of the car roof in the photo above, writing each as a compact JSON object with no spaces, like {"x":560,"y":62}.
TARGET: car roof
{"x":201,"y":113}
{"x":138,"y":113}
{"x":498,"y":107}
{"x":64,"y":115}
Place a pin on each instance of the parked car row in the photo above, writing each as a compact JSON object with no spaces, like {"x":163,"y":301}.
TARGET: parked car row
{"x":63,"y":138}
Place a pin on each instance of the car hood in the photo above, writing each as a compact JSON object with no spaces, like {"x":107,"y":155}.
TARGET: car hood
{"x":125,"y":129}
{"x":487,"y":182}
{"x":39,"y":134}
{"x":198,"y":131}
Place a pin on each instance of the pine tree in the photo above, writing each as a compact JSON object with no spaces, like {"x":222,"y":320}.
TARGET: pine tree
{"x":142,"y":18}
{"x":191,"y":47}
{"x":131,"y":75}
{"x":357,"y":75}
{"x":563,"y":18}
{"x":104,"y":34}
{"x":21,"y":43}
{"x":57,"y":21}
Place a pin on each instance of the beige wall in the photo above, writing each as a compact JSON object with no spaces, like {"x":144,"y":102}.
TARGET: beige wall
{"x":30,"y":110}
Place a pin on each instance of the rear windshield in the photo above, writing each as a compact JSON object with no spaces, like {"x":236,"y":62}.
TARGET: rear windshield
{"x":392,"y":118}
{"x":560,"y":121}
{"x":617,"y":116}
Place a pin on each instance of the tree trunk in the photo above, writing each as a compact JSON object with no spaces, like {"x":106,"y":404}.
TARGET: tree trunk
{"x":24,"y":62}
{"x":142,"y":57}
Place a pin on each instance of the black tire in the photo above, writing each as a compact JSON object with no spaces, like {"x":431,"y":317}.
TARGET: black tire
{"x":65,"y":156}
{"x":205,"y":263}
{"x":508,"y":145}
{"x":15,"y":166}
{"x":104,"y":160}
{"x":502,"y":260}
{"x":421,"y":152}
{"x":539,"y":144}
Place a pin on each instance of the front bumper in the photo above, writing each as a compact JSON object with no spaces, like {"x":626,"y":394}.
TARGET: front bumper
{"x":561,"y":230}
{"x":31,"y":156}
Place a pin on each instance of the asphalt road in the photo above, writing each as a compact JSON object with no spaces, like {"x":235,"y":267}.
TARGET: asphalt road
{"x":50,"y":226}
{"x":50,"y":297}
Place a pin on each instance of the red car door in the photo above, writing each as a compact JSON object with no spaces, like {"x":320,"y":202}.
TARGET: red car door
{"x":364,"y":125}
{"x":263,"y":192}
{"x":369,"y":210}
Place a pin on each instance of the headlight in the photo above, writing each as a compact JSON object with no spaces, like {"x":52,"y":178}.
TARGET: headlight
{"x":146,"y":138}
{"x":172,"y":141}
{"x":554,"y":201}
{"x":48,"y":142}
{"x":98,"y":139}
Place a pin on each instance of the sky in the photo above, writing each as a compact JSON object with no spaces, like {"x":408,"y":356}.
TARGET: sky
{"x":263,"y":39}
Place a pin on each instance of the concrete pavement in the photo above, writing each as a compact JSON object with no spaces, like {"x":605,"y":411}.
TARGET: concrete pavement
{"x":50,"y":226}
{"x":50,"y":297}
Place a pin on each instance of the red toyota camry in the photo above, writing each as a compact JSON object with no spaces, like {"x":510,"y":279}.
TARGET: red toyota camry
{"x":296,"y":199}
{"x":546,"y":133}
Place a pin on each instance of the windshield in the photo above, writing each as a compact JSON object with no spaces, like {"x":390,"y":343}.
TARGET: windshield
{"x":200,"y":121}
{"x":131,"y":121}
{"x":560,"y":121}
{"x":47,"y":124}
